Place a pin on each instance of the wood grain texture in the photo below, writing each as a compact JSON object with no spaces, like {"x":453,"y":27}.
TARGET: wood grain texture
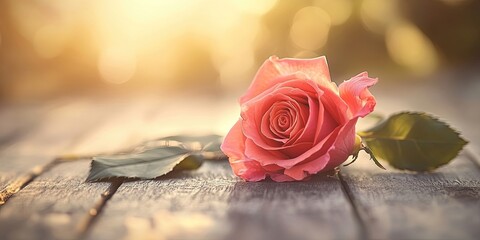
{"x":57,"y":130}
{"x":444,"y":204}
{"x":17,"y":120}
{"x":52,"y":206}
{"x":211,"y":203}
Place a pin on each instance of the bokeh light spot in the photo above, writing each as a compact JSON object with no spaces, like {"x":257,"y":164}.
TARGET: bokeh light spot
{"x":339,"y":10}
{"x":117,"y":64}
{"x":409,"y":47}
{"x":49,"y":41}
{"x":377,"y":15}
{"x":306,"y":54}
{"x":255,"y":6}
{"x":310,"y":28}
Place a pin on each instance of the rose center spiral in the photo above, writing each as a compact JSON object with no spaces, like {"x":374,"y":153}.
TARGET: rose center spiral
{"x":282,"y":118}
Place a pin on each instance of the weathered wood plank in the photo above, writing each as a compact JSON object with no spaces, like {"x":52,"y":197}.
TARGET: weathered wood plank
{"x":444,"y":204}
{"x":58,"y":199}
{"x":49,"y":207}
{"x":211,"y":203}
{"x":58,"y":129}
{"x":405,"y":205}
{"x":18,"y":119}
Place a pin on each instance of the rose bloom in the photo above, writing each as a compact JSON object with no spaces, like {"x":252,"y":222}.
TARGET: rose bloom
{"x":295,"y":122}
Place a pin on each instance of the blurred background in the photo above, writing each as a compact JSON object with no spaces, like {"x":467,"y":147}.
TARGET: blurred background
{"x":54,"y":48}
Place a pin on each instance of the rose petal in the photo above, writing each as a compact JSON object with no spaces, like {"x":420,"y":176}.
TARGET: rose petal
{"x":300,"y":172}
{"x":355,"y":93}
{"x":295,"y":121}
{"x":272,"y":168}
{"x":309,"y":131}
{"x":326,"y":124}
{"x":267,"y":154}
{"x":315,"y":68}
{"x":248,"y":170}
{"x":337,"y":153}
{"x":280,"y":119}
{"x":279,"y":158}
{"x":266,"y":130}
{"x":233,"y":146}
{"x":335,"y":114}
{"x":278,"y":177}
{"x":335,"y":106}
{"x":311,"y":92}
{"x":234,"y":143}
{"x":254,"y":110}
{"x":272,"y":69}
{"x":343,"y":146}
{"x":254,"y":151}
{"x":317,"y":161}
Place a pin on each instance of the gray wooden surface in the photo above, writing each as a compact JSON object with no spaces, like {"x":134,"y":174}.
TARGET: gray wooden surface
{"x":212,"y":204}
{"x":47,"y":199}
{"x":444,"y":204}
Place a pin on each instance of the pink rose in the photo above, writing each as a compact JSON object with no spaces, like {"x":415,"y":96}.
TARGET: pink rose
{"x":295,"y":122}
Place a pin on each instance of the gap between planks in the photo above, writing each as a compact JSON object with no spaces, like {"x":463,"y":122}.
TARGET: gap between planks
{"x":92,"y":214}
{"x":351,"y":200}
{"x":84,"y":224}
{"x":406,"y":205}
{"x":21,"y":181}
{"x":89,"y":218}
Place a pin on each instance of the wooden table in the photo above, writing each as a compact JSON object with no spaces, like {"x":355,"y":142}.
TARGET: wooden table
{"x":44,"y":198}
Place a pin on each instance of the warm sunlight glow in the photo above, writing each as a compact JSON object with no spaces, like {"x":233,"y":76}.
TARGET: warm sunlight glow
{"x":216,"y":46}
{"x":306,"y":54}
{"x":338,"y":10}
{"x":50,"y":40}
{"x":377,"y":15}
{"x":117,"y":64}
{"x":408,"y":46}
{"x":255,"y":6}
{"x":162,"y":32}
{"x":310,"y":28}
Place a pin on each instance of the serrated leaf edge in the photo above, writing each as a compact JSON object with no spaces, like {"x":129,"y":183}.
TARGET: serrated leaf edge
{"x":364,"y":134}
{"x":93,"y":178}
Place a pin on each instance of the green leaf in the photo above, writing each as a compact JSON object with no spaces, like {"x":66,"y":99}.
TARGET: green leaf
{"x":414,"y":141}
{"x":147,"y":164}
